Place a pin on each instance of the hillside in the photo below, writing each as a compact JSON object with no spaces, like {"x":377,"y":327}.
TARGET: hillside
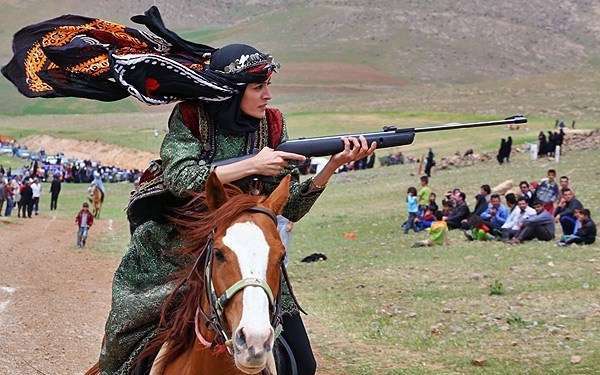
{"x":355,"y":48}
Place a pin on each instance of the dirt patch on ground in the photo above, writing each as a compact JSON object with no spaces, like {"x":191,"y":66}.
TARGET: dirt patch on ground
{"x":105,"y":153}
{"x":54,"y":298}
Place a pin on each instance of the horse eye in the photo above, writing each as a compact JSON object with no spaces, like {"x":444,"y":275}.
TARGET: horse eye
{"x":219,"y":255}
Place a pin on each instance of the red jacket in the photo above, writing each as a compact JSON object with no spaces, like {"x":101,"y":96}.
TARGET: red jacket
{"x":90,"y":218}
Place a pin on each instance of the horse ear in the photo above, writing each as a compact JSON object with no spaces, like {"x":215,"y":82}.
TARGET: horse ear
{"x":278,"y":198}
{"x":215,"y":192}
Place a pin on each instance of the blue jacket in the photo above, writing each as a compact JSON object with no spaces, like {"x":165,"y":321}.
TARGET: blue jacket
{"x":499,"y":219}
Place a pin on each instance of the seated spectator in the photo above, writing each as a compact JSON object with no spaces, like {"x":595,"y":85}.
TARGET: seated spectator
{"x":446,"y":207}
{"x":526,"y":191}
{"x":539,"y":226}
{"x":459,"y":214}
{"x":496,"y":213}
{"x":585,"y":235}
{"x":511,"y":201}
{"x":438,"y":232}
{"x":565,"y":211}
{"x":564,"y":184}
{"x":432,"y":203}
{"x":482,"y":200}
{"x":514,"y":222}
{"x":424,"y":220}
{"x":480,"y":231}
{"x":547,"y":191}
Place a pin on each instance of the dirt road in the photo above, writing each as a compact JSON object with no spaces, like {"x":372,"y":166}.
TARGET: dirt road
{"x":54,"y":298}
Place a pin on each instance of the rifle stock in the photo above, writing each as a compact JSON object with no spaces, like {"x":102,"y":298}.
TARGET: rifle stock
{"x":391,"y":136}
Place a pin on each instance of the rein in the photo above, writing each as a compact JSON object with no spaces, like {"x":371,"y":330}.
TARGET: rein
{"x":217,"y":304}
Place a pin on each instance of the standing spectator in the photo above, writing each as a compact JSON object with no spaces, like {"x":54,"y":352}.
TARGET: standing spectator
{"x":459,"y":214}
{"x":17,"y":187}
{"x":9,"y":197}
{"x":26,"y":199}
{"x":565,"y":214}
{"x":547,"y":191}
{"x":413,"y":209}
{"x":429,"y":162}
{"x":84,"y":221}
{"x":585,"y":235}
{"x":54,"y":191}
{"x":563,"y":184}
{"x":424,"y":193}
{"x":539,"y":226}
{"x":3,"y":184}
{"x":482,"y":200}
{"x":285,"y":226}
{"x":526,"y":191}
{"x":514,"y":223}
{"x":543,"y":145}
{"x":495,"y":215}
{"x":36,"y":189}
{"x":501,"y":152}
{"x":551,"y":143}
{"x":508,"y":151}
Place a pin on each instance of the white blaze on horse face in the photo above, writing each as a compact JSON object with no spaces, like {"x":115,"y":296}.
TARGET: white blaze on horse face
{"x":249,"y":244}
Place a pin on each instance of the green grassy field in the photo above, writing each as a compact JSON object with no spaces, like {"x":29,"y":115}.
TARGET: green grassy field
{"x":378,"y":306}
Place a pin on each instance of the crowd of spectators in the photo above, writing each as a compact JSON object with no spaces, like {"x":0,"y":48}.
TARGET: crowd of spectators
{"x":43,"y":166}
{"x":533,"y":213}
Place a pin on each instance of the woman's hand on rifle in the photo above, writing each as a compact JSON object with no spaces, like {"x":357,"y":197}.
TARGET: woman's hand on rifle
{"x":354,"y":149}
{"x":269,"y":162}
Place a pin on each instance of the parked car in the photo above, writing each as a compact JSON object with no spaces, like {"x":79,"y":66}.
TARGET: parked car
{"x":5,"y":150}
{"x":24,"y":154}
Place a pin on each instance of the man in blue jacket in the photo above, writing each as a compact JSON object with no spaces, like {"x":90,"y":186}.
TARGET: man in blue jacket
{"x":539,"y":226}
{"x":496,"y":214}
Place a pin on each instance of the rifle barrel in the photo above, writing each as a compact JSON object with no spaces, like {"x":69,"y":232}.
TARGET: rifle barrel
{"x":450,"y":126}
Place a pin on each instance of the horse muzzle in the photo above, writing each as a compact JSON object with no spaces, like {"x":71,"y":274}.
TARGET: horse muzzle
{"x":252,"y":348}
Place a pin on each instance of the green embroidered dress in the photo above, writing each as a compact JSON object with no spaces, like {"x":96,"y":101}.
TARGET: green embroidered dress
{"x":141,"y":283}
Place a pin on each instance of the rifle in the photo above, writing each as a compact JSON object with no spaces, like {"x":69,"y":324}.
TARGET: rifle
{"x":391,"y":136}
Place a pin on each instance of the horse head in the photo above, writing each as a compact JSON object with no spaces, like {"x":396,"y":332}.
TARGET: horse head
{"x":245,"y":273}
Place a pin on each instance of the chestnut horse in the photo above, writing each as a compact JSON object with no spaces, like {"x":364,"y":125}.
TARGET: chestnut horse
{"x":224,"y":315}
{"x":96,"y":200}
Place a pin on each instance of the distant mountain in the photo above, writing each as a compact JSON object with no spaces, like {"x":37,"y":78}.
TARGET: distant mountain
{"x":370,"y":45}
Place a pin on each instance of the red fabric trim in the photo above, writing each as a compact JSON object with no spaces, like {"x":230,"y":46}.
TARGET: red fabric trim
{"x":275,"y":122}
{"x":151,"y":86}
{"x":189,"y":114}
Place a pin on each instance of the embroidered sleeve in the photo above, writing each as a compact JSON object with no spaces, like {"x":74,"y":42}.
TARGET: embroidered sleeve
{"x":180,"y":152}
{"x":302,"y":197}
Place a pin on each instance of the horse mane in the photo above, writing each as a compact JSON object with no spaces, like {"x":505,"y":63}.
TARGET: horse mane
{"x":195,"y":224}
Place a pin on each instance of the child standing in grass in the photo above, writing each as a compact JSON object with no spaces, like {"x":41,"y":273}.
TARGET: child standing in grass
{"x":413,"y":209}
{"x":84,"y":221}
{"x":438,"y":232}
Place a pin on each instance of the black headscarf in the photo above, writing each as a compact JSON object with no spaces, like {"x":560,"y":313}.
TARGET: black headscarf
{"x":227,"y":114}
{"x":91,"y":58}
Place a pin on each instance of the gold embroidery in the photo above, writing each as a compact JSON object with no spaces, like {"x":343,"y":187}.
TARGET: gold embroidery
{"x":94,"y":67}
{"x":34,"y":62}
{"x":37,"y":61}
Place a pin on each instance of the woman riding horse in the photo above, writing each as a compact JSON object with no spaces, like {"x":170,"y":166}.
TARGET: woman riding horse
{"x":223,"y":114}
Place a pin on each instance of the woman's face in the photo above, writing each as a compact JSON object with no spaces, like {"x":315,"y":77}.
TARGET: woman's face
{"x":255,"y":99}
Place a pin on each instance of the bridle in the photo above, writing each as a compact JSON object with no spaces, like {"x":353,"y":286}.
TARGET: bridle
{"x":214,"y":317}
